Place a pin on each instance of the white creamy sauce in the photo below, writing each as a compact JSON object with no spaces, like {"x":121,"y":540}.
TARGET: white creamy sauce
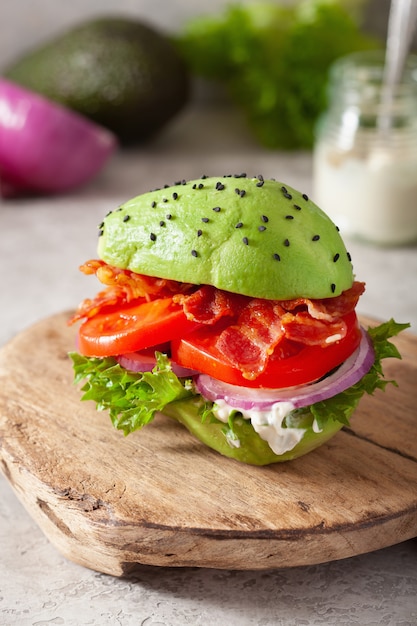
{"x":372,"y":196}
{"x":268,"y":424}
{"x":315,"y":427}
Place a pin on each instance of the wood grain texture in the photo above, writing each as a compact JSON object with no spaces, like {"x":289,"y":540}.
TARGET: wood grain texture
{"x":159,"y":497}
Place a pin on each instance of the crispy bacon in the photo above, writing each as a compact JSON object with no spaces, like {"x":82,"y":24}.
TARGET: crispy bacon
{"x":328,"y":309}
{"x":249,"y":343}
{"x":263,"y":324}
{"x":309,"y":331}
{"x":123,"y":286}
{"x":207,"y":305}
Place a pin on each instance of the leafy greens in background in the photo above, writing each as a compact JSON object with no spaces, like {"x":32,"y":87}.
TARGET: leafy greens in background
{"x":274,"y":60}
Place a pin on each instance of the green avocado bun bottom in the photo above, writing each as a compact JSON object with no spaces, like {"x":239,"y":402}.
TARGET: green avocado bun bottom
{"x":260,"y":238}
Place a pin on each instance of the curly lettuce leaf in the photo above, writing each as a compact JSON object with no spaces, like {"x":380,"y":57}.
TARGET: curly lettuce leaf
{"x":274,"y":61}
{"x":132,"y":399}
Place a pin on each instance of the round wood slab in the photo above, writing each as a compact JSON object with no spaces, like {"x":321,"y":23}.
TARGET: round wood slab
{"x":159,"y":497}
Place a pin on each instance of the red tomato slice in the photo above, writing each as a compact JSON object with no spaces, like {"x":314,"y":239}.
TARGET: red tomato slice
{"x":133,"y":328}
{"x":291,"y":364}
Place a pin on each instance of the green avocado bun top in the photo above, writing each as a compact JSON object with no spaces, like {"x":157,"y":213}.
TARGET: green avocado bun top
{"x":256,"y":237}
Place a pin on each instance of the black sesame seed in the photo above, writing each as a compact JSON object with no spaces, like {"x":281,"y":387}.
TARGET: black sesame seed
{"x":109,"y":213}
{"x":194,"y":253}
{"x":315,"y":238}
{"x":264,"y":218}
{"x":200,"y":186}
{"x":260,"y":177}
{"x":168,"y":216}
{"x":175,"y":195}
{"x":284,"y":189}
{"x":217,"y":209}
{"x":289,"y":217}
{"x":333,"y":287}
{"x":120,"y":208}
{"x":261,"y":228}
{"x":100,"y":232}
{"x":305,"y":196}
{"x":337,"y":228}
{"x":286,"y":243}
{"x":165,"y":200}
{"x":242,"y":193}
{"x":243,"y":175}
{"x":199,"y":232}
{"x":166,"y":186}
{"x":126,"y":218}
{"x":101,"y":225}
{"x":348,"y":256}
{"x":288,"y":195}
{"x":203,"y":177}
{"x":297,"y":208}
{"x":237,"y":190}
{"x":239,"y":225}
{"x":219,"y":186}
{"x":260,"y":183}
{"x":153,"y":204}
{"x":162,"y":223}
{"x":195,"y":186}
{"x":152,"y":237}
{"x":336,"y":257}
{"x":205,"y":219}
{"x":245,"y":241}
{"x":276,"y":256}
{"x":183,"y":182}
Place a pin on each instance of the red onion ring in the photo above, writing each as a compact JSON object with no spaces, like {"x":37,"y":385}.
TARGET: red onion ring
{"x":349,"y":373}
{"x":138,"y":362}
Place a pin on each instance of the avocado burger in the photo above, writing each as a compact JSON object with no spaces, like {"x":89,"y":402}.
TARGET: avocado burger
{"x":228,"y":304}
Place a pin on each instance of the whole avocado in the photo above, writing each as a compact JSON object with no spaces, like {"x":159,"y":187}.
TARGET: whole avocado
{"x":118,"y":72}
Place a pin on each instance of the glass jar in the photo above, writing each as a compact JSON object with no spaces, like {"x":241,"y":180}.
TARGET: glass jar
{"x":365,"y":155}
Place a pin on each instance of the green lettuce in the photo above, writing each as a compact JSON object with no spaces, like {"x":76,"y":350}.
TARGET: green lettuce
{"x":132,"y":399}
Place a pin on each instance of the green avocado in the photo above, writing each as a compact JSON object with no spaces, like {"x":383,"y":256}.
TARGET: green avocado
{"x":251,"y":448}
{"x":120,"y":73}
{"x":251,"y":236}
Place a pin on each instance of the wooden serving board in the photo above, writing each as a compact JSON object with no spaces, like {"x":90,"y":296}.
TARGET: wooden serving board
{"x":159,"y":497}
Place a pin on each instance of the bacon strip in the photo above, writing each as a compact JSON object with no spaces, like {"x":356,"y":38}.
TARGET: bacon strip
{"x":208,"y":304}
{"x":123,"y":286}
{"x":249,"y":343}
{"x":304,"y":329}
{"x":328,"y":309}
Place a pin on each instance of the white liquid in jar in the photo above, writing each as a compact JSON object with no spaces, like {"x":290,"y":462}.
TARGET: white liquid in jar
{"x":372,"y":196}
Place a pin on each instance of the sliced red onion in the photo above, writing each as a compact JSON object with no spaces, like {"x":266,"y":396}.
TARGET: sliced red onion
{"x":45,"y":147}
{"x":138,"y":362}
{"x":349,"y":373}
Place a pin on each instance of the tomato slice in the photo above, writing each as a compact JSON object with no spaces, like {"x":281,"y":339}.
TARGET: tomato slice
{"x":291,"y":364}
{"x":132,"y":328}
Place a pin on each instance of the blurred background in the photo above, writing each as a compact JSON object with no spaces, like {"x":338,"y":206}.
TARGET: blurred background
{"x":25,"y":23}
